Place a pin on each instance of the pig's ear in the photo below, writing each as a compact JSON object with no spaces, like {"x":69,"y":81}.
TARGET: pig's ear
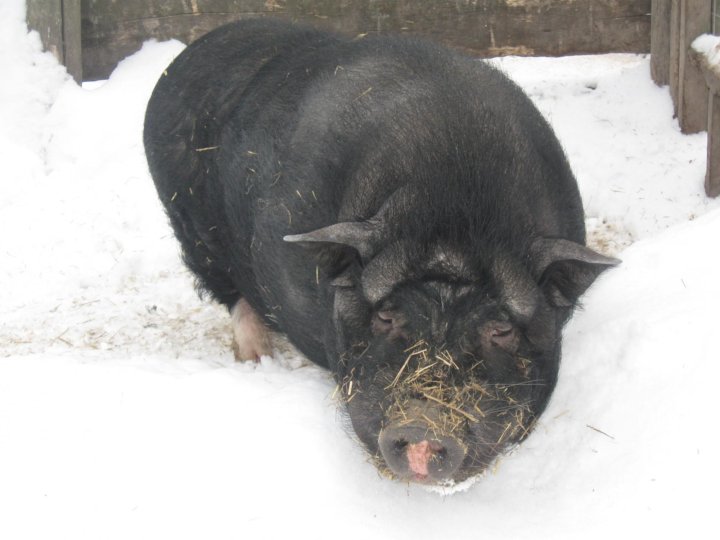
{"x":565,"y":269}
{"x":360,"y":235}
{"x":364,"y":236}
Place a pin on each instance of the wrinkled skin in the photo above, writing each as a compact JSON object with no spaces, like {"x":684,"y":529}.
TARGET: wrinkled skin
{"x":402,"y":213}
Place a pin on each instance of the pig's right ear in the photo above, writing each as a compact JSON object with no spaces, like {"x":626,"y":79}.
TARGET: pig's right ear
{"x":360,"y":235}
{"x":565,"y":269}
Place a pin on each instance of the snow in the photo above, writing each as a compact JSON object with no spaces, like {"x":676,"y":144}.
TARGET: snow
{"x":123,"y":414}
{"x":637,"y":173}
{"x":709,"y":45}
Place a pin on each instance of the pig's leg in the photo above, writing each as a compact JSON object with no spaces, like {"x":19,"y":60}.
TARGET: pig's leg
{"x":250,"y":336}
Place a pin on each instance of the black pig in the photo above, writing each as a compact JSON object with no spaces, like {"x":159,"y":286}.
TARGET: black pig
{"x":402,"y":213}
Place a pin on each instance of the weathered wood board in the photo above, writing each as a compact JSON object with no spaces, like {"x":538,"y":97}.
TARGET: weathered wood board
{"x":660,"y":42}
{"x":711,"y":74}
{"x":58,"y":23}
{"x":712,"y":176}
{"x":112,"y":30}
{"x":692,"y":93}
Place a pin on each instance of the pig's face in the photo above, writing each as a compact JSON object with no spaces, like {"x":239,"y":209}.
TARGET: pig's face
{"x":441,"y":376}
{"x":444,"y":365}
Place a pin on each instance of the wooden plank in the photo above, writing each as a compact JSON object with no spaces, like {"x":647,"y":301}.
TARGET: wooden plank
{"x":712,"y":79}
{"x":45,"y":16}
{"x":692,"y":95}
{"x":58,"y":23}
{"x":113,"y":30}
{"x":660,"y":42}
{"x":72,"y":38}
{"x":674,"y":65}
{"x":712,"y":176}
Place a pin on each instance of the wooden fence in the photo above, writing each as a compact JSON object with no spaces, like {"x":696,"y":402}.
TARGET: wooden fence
{"x":109,"y":30}
{"x":91,"y":36}
{"x":58,"y":23}
{"x":693,"y":87}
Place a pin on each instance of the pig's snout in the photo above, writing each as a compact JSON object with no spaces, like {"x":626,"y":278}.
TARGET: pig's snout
{"x":415,"y":453}
{"x":415,"y":450}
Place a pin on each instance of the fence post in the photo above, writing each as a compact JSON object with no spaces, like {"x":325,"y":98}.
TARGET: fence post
{"x":692,"y":91}
{"x":712,"y":79}
{"x":712,"y":176}
{"x":660,"y":41}
{"x":58,"y":23}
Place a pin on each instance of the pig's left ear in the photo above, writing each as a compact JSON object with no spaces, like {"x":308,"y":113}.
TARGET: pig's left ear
{"x":362,"y":236}
{"x":565,"y":269}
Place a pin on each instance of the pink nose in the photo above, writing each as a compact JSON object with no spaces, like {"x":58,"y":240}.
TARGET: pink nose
{"x":414,"y":453}
{"x":419,"y":455}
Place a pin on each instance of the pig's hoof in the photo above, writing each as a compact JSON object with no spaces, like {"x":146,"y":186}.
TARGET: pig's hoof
{"x":251,"y":339}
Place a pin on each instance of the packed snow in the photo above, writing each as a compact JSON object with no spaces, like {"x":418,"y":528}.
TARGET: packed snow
{"x":708,"y":45}
{"x":124,"y":415}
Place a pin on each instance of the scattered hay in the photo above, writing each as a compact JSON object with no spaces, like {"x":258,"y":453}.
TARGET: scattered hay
{"x":600,"y":431}
{"x":428,"y":375}
{"x":434,"y":392}
{"x":344,"y":390}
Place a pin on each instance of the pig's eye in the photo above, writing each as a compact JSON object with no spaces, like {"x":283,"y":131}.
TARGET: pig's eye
{"x":383,"y":321}
{"x":500,"y":329}
{"x":385,"y":317}
{"x":501,"y":334}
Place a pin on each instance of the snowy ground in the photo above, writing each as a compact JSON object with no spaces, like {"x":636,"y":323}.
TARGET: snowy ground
{"x":123,"y":415}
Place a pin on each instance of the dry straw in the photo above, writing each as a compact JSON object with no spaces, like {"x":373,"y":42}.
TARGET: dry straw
{"x":453,"y":397}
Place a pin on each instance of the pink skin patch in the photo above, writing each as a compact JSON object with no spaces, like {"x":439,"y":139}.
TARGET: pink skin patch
{"x":418,"y":456}
{"x":250,"y":336}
